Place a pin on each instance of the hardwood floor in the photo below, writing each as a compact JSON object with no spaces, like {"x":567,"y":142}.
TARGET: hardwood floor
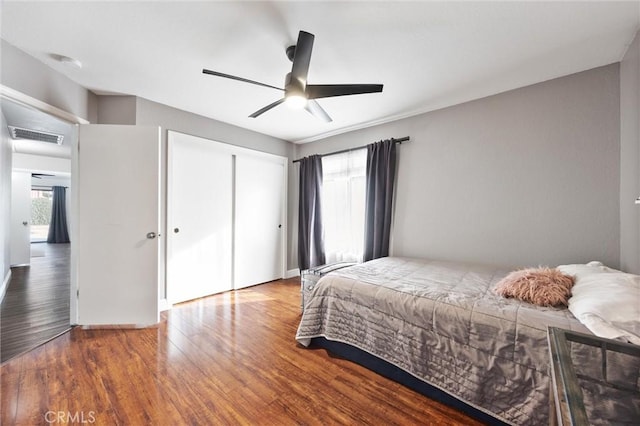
{"x":231,"y":358}
{"x":36,"y":305}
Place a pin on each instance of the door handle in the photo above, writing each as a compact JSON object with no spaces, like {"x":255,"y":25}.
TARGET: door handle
{"x":151,"y":235}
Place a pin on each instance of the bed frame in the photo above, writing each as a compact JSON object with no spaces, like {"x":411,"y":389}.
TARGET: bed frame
{"x":390,"y":371}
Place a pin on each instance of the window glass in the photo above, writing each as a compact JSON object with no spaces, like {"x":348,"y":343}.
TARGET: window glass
{"x":41,"y":201}
{"x":343,"y":200}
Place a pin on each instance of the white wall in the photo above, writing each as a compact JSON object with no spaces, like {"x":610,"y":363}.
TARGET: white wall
{"x":41,"y":163}
{"x":630,"y":158}
{"x":526,"y":177}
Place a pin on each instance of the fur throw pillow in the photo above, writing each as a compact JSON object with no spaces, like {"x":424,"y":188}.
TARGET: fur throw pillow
{"x":540,"y":286}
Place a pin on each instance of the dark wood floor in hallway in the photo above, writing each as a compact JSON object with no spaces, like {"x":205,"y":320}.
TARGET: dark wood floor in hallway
{"x":36,"y":305}
{"x":228,"y":359}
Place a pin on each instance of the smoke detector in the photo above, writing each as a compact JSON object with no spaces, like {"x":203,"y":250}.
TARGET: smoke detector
{"x":66,"y":60}
{"x":35,"y":135}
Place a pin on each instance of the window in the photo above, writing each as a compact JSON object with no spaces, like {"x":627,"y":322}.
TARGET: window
{"x":41,"y":200}
{"x":343,"y":202}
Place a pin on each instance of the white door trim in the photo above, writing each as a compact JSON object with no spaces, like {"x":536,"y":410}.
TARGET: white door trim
{"x":28,"y":101}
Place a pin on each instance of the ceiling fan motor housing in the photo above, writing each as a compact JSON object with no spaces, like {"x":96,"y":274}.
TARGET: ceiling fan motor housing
{"x":291,"y":52}
{"x":293,"y":86}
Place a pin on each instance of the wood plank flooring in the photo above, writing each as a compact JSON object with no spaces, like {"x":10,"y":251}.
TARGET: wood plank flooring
{"x":230,"y":359}
{"x":36,"y":305}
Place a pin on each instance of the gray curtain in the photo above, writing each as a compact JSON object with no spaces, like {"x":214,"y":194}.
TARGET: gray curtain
{"x":58,"y":232}
{"x":310,"y":230}
{"x":381,"y":172}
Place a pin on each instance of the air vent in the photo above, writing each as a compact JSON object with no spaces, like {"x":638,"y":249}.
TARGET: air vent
{"x":35,"y":135}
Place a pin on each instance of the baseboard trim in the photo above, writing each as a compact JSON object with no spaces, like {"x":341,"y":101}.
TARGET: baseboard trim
{"x":5,"y":285}
{"x":292,"y":273}
{"x":118,"y":326}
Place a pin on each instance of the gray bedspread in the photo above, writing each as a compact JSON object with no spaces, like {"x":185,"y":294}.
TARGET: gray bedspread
{"x":441,"y":322}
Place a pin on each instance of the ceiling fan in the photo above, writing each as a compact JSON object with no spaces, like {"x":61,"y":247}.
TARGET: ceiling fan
{"x":40,"y":175}
{"x":297,"y":92}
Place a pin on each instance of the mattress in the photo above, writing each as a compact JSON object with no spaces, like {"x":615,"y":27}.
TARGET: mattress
{"x":441,"y":322}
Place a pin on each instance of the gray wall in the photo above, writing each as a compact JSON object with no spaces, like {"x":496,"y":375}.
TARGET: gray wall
{"x":526,"y":177}
{"x":5,"y":199}
{"x":117,"y":110}
{"x":630,"y":158}
{"x":26,"y":74}
{"x":153,"y":113}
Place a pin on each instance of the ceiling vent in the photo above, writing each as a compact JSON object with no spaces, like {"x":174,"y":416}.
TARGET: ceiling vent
{"x":35,"y":135}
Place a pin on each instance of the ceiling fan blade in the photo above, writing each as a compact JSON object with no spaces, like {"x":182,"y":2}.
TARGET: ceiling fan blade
{"x":315,"y":91}
{"x":39,"y":175}
{"x":302,"y":57}
{"x":267,"y":108}
{"x":317,"y":111}
{"x":233,"y":77}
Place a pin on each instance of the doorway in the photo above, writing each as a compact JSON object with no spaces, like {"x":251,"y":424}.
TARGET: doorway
{"x":36,"y":305}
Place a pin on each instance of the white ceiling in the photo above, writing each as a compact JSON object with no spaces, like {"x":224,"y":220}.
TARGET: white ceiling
{"x":428,"y":55}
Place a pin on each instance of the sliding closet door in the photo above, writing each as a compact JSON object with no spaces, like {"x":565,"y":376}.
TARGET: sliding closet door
{"x":199,"y":217}
{"x":259,"y":219}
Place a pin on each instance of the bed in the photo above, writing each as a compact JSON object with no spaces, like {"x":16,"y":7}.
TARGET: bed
{"x":440,"y":327}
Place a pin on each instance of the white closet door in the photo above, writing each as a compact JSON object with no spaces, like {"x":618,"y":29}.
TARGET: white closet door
{"x":259,"y":219}
{"x":199,"y":221}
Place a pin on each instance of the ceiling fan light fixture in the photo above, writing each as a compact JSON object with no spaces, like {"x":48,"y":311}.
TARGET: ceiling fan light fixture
{"x":295,"y":101}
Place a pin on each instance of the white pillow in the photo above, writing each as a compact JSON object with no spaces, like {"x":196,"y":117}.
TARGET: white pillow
{"x":582,"y":270}
{"x":606,"y":301}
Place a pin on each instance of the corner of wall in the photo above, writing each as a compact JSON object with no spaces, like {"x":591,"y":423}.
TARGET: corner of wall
{"x":92,"y":113}
{"x":630,"y":158}
{"x":116,"y":109}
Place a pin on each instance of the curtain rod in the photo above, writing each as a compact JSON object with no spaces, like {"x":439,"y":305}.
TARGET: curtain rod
{"x":399,"y":141}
